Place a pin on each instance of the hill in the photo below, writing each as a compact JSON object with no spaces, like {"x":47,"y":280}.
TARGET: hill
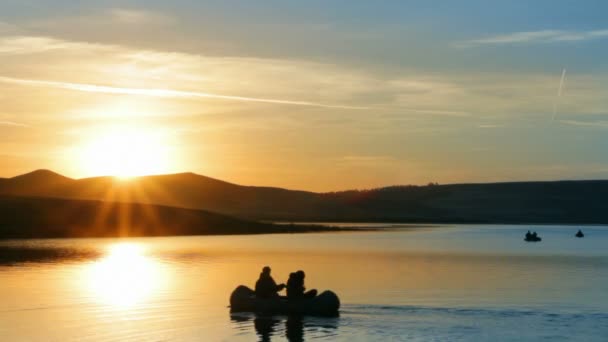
{"x":27,"y":217}
{"x":566,"y":202}
{"x":517,"y":202}
{"x":185,"y":190}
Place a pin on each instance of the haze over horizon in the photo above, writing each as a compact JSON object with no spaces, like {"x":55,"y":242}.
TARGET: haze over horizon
{"x":327,"y":96}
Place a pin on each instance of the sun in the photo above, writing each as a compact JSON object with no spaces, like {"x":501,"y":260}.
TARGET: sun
{"x":126,"y":151}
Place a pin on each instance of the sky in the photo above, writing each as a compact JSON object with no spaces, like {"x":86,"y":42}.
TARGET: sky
{"x":315,"y":95}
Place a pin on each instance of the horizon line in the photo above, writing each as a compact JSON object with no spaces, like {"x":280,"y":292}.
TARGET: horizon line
{"x":129,"y":178}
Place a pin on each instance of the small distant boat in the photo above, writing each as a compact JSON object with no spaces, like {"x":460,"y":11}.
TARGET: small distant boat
{"x":579,"y":234}
{"x":532,"y":237}
{"x":243,"y":299}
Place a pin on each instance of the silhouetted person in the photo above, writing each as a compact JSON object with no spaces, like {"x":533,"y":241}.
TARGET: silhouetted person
{"x":534,"y":236}
{"x":266,"y":287}
{"x":295,"y":286}
{"x":579,"y":234}
{"x":528,"y":235}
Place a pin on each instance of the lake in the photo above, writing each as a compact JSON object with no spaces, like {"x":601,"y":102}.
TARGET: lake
{"x":429,"y":282}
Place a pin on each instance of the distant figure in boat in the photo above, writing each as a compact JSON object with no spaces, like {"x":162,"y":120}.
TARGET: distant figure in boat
{"x":295,"y":286}
{"x":266,"y":287}
{"x":532,"y":237}
{"x":579,"y":234}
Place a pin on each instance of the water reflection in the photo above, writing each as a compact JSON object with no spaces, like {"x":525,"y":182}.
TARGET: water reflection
{"x":125,"y":277}
{"x":16,"y":255}
{"x":293,"y":328}
{"x":178,"y":288}
{"x":265,"y":327}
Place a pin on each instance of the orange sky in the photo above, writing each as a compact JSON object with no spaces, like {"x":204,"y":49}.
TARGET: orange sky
{"x":298,"y":101}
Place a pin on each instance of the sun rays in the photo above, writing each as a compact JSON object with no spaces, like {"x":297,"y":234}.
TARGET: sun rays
{"x":123,"y":206}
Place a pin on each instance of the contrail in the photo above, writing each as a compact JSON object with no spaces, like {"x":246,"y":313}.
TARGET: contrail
{"x":94,"y":88}
{"x":559,"y":93}
{"x":439,"y":112}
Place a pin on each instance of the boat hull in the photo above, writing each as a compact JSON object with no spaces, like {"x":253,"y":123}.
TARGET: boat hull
{"x":243,"y":299}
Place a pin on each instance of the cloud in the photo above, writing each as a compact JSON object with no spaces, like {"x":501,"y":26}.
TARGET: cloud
{"x":96,"y":68}
{"x":113,"y":20}
{"x":439,"y":112}
{"x":543,"y":36}
{"x":24,"y":45}
{"x":94,"y":88}
{"x":12,"y":123}
{"x":367,"y":159}
{"x":115,"y":69}
{"x":136,"y":16}
{"x":591,"y":124}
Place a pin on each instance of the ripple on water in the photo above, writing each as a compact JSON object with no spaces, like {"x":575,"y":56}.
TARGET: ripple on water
{"x":409,"y":290}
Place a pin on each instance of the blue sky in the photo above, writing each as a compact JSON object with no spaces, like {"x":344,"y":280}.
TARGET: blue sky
{"x":402,"y":91}
{"x":391,"y":33}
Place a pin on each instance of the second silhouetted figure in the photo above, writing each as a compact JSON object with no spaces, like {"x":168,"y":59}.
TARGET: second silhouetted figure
{"x":295,"y":286}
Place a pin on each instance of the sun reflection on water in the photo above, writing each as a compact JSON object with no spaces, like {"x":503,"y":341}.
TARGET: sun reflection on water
{"x":125,"y":277}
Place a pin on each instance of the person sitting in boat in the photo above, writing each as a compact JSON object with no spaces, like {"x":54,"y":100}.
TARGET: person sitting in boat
{"x":534,"y":236}
{"x":579,"y":234}
{"x":266,"y":287}
{"x":528,"y":235}
{"x":295,"y":286}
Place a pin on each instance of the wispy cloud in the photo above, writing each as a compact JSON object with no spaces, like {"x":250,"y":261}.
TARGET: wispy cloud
{"x":137,"y":16}
{"x":94,"y":88}
{"x":543,"y":36}
{"x":12,"y":123}
{"x":591,"y":124}
{"x":367,"y":159}
{"x":81,"y":66}
{"x":438,"y":112}
{"x":15,"y":45}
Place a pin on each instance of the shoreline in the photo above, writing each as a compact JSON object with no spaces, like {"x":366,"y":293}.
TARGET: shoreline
{"x":296,"y":228}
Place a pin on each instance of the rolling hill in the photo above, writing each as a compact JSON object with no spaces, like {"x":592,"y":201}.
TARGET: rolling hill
{"x":185,"y":190}
{"x":518,"y":202}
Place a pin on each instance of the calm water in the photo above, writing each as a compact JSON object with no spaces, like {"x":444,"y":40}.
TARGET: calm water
{"x":443,"y":283}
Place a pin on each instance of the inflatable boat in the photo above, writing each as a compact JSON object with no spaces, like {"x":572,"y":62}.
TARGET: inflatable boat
{"x":243,"y":299}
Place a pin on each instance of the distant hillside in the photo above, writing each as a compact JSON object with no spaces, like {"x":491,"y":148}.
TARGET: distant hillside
{"x":186,"y":190}
{"x":521,"y":202}
{"x":26,"y":217}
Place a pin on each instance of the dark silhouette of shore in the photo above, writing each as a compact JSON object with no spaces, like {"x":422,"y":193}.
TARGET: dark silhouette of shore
{"x":559,"y":202}
{"x":27,"y":217}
